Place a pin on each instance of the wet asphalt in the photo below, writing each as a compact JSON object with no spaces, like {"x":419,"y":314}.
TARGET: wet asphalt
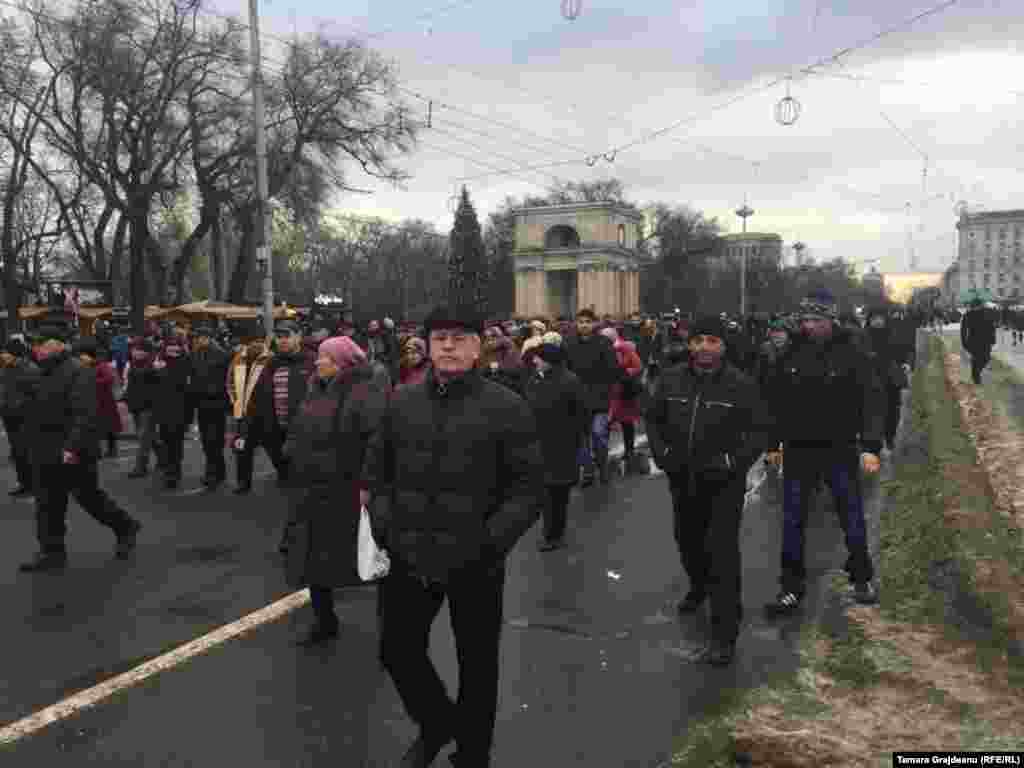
{"x":594,"y":668}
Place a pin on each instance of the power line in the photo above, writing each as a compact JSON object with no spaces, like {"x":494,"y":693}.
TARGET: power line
{"x":896,"y":81}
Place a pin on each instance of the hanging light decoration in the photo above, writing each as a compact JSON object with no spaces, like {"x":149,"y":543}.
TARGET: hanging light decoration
{"x":787,"y":111}
{"x":571,"y":9}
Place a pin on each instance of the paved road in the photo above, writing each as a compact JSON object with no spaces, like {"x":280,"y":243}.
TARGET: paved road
{"x":592,"y":657}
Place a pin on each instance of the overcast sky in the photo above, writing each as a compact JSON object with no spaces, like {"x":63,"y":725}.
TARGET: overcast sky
{"x":542,"y":89}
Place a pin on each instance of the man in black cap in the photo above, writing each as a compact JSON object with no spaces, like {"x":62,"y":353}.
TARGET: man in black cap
{"x":830,"y":419}
{"x":706,"y":428}
{"x":62,"y":424}
{"x":208,"y":389}
{"x":456,"y":476}
{"x":978,"y":336}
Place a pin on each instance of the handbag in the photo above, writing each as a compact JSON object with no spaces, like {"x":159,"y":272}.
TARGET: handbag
{"x":372,"y":562}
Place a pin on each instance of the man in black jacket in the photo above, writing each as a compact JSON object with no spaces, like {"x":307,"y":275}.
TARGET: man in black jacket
{"x":830,"y":415}
{"x":591,"y":357}
{"x":978,"y":336}
{"x":456,"y":474}
{"x":62,"y":425}
{"x":172,"y":408}
{"x":706,"y":428}
{"x":20,"y":377}
{"x":208,"y":389}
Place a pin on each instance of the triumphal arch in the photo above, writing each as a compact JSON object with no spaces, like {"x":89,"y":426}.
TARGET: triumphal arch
{"x":577,"y":255}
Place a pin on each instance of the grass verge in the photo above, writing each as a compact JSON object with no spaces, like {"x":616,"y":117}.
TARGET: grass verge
{"x":930,"y":667}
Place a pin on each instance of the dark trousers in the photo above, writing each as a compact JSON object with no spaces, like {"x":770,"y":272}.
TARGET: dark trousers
{"x":979,"y":361}
{"x":172,"y":437}
{"x":19,"y":451}
{"x":322,"y":601}
{"x":54,"y":483}
{"x":805,"y":468}
{"x":556,"y":512}
{"x":628,"y":439}
{"x":272,"y":441}
{"x":892,"y":413}
{"x":707,"y":516}
{"x":212,"y":427}
{"x":408,"y":608}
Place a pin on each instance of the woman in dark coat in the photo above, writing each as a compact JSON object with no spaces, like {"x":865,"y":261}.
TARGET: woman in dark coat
{"x":556,"y":397}
{"x":326,"y":445}
{"x":172,"y":408}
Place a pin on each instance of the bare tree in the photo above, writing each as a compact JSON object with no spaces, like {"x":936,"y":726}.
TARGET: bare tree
{"x":333,"y":104}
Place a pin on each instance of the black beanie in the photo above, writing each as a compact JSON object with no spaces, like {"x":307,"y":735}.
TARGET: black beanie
{"x":708,"y":325}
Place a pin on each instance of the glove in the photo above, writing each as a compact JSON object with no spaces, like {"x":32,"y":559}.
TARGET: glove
{"x":870,"y":463}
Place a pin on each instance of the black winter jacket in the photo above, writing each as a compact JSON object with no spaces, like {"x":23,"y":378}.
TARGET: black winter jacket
{"x":18,"y":387}
{"x":456,"y":475}
{"x":827,"y":393}
{"x":262,"y":414}
{"x":556,"y":398}
{"x":173,"y":406}
{"x":141,"y":393}
{"x":63,"y":416}
{"x":978,"y":331}
{"x":706,"y":422}
{"x":208,"y":385}
{"x":593,"y":361}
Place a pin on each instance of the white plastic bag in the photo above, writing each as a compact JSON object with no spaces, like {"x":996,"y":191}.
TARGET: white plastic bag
{"x":372,"y":561}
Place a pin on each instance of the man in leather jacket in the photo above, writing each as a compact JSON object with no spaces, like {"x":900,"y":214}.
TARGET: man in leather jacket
{"x":706,"y":427}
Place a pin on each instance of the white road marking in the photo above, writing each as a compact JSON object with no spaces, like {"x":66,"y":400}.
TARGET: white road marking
{"x":90,"y":697}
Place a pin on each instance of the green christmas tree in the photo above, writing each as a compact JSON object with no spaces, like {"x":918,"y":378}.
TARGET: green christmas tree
{"x":467,"y":261}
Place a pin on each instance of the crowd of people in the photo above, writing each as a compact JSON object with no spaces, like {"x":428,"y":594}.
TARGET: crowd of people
{"x":457,"y":435}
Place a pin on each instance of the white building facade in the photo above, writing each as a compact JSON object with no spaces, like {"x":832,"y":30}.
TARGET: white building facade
{"x":990,"y":253}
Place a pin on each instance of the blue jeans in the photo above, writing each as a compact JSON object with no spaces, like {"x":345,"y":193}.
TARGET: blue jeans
{"x":839,"y":467}
{"x":595,"y":447}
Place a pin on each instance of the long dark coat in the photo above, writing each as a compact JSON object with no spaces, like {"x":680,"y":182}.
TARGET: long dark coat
{"x":62,"y":414}
{"x":562,"y":417}
{"x":106,"y":406}
{"x":327,"y":447}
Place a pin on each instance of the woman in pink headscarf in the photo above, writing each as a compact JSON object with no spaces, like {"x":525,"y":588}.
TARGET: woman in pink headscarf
{"x":326,"y":445}
{"x":625,"y":409}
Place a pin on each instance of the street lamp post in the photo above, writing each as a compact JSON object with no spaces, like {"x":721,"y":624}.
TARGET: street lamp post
{"x":744,"y":213}
{"x":263,"y":237}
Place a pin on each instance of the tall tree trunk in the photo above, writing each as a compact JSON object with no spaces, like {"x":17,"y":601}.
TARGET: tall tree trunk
{"x":99,"y":264}
{"x":138,"y":241}
{"x":158,"y":272}
{"x":245,"y":222}
{"x":188,"y":251}
{"x":117,"y":261}
{"x":217,"y":258}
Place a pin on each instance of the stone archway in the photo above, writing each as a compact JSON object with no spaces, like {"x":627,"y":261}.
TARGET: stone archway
{"x":561,"y":236}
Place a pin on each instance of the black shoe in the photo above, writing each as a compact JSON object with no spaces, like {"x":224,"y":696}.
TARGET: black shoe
{"x":550,"y":545}
{"x":319,"y":634}
{"x":45,"y":561}
{"x":171,"y":483}
{"x":422,"y":753}
{"x":717,"y":654}
{"x":20,"y":492}
{"x":786,"y":604}
{"x":692,"y":602}
{"x":242,"y":489}
{"x":586,"y":481}
{"x":126,"y":541}
{"x":865,"y":593}
{"x":137,"y":473}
